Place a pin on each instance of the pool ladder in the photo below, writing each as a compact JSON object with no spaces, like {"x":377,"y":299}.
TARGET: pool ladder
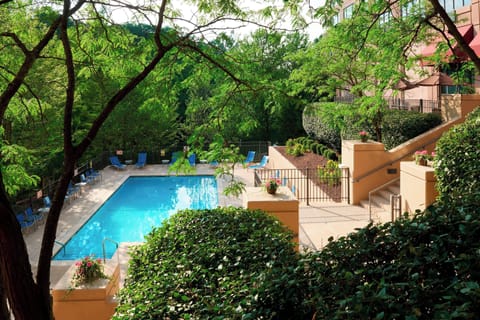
{"x":103,"y":247}
{"x":62,"y":246}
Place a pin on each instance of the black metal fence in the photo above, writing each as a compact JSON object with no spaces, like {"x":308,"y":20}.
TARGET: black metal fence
{"x":310,"y":184}
{"x":34,"y":199}
{"x":155,"y":156}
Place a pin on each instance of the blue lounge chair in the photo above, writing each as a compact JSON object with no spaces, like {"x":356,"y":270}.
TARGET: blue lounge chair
{"x":142,"y":160}
{"x":32,"y":217}
{"x":83,"y":182}
{"x":72,"y":191}
{"x":89,"y":177}
{"x":250,"y":157}
{"x":261,"y":165}
{"x":175,"y":156}
{"x":93,"y":174}
{"x":46,"y":205}
{"x":192,"y":159}
{"x":116,"y":163}
{"x":24,"y":223}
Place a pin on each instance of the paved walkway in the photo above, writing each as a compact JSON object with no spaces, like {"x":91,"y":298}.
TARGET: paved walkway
{"x":318,"y":222}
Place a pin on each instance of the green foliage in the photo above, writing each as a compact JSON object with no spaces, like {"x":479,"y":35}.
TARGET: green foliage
{"x":457,"y":164}
{"x":400,"y":126}
{"x":225,"y":263}
{"x":330,"y":174}
{"x":329,"y":121}
{"x":14,"y":164}
{"x":423,"y":268}
{"x":296,"y":150}
{"x":227,"y":158}
{"x":298,"y":146}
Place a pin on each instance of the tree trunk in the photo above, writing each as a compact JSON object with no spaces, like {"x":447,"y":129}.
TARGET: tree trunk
{"x":4,"y":312}
{"x":21,"y":291}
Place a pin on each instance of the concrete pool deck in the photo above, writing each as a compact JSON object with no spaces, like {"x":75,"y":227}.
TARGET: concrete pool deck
{"x":317,"y":222}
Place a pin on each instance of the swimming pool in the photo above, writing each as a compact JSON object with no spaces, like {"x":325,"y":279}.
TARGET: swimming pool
{"x":139,"y":204}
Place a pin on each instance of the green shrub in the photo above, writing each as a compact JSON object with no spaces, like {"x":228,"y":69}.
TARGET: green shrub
{"x":329,"y":122}
{"x":290,"y":143}
{"x":320,"y":149}
{"x":298,"y":146}
{"x":324,"y":122}
{"x":225,"y":263}
{"x":457,"y":165}
{"x":330,"y":174}
{"x":296,"y":150}
{"x":400,"y":126}
{"x":424,"y":268}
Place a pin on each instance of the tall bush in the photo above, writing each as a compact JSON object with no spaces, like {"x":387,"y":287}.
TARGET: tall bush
{"x":225,"y":263}
{"x":457,"y":166}
{"x":423,"y":268}
{"x":400,"y":126}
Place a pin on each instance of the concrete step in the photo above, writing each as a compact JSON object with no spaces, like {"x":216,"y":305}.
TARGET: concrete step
{"x":394,"y":188}
{"x":381,"y":202}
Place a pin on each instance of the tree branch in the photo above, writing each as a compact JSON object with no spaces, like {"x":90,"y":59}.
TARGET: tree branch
{"x":17,"y":40}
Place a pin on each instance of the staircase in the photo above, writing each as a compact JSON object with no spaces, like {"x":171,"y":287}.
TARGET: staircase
{"x":379,"y":203}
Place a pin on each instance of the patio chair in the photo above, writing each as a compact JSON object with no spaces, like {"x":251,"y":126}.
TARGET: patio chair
{"x":175,"y":156}
{"x":83,"y":182}
{"x":46,"y":205}
{"x":192,"y":159}
{"x":250,"y":157}
{"x":261,"y":165}
{"x":116,"y":163}
{"x":93,"y":174}
{"x":25,"y":225}
{"x":72,"y":192}
{"x":142,"y":160}
{"x":32,"y":217}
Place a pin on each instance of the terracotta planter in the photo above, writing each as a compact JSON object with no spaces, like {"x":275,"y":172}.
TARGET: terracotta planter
{"x":272,"y":190}
{"x":422,"y":162}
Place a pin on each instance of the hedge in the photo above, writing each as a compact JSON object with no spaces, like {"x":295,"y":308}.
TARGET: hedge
{"x":225,"y":263}
{"x":458,"y":166}
{"x":424,"y":268}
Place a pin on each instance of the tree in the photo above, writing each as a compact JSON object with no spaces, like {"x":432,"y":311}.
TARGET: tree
{"x":370,"y":52}
{"x":68,"y":34}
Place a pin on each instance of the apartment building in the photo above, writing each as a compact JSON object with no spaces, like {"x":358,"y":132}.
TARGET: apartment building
{"x":466,"y":14}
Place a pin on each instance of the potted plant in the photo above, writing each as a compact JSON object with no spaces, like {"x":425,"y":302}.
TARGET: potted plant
{"x":363,"y":135}
{"x":422,"y":157}
{"x":272,"y":184}
{"x":88,"y":270}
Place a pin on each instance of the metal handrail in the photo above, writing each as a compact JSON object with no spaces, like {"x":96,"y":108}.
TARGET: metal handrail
{"x":103,"y":248}
{"x":375,"y":190}
{"x":62,"y":246}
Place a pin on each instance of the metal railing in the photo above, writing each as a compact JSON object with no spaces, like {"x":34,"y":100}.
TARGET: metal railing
{"x":396,"y":206}
{"x":309,"y":184}
{"x":419,"y":105}
{"x":104,"y":251}
{"x":372,"y":192}
{"x":34,"y":199}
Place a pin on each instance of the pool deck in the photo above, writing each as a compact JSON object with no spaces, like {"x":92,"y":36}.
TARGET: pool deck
{"x":318,"y":222}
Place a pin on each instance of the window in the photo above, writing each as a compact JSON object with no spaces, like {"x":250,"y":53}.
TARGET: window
{"x":411,"y":8}
{"x":452,"y":5}
{"x":348,"y":12}
{"x":466,"y":76}
{"x":385,"y":18}
{"x":335,"y":19}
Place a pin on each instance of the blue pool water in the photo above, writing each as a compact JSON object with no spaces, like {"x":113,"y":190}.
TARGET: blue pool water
{"x":139,"y":204}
